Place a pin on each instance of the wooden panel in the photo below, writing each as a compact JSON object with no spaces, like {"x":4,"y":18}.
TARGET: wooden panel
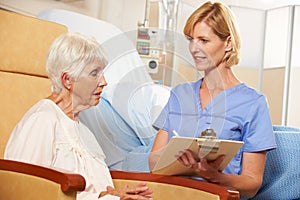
{"x":25,"y":41}
{"x":247,"y":75}
{"x":273,"y":88}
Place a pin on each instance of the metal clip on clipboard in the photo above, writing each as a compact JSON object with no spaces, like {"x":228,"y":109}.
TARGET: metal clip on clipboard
{"x":210,"y":144}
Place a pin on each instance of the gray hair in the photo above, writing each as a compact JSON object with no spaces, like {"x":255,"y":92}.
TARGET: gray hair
{"x":70,"y":53}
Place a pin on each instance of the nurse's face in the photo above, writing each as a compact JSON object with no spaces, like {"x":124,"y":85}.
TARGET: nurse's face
{"x":89,"y":85}
{"x":207,"y":49}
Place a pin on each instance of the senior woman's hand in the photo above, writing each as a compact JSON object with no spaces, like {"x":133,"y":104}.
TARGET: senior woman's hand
{"x":139,"y":192}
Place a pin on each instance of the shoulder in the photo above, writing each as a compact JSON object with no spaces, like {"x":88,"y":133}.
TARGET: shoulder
{"x":249,"y":93}
{"x":248,"y":90}
{"x":44,"y":110}
{"x":37,"y":123}
{"x":187,"y":88}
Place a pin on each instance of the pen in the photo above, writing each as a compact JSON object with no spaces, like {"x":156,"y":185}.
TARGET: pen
{"x":175,"y":133}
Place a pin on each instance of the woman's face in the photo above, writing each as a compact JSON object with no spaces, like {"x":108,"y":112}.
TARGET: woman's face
{"x":207,"y":49}
{"x":89,"y":85}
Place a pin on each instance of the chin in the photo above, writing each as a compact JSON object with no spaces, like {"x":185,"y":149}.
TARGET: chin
{"x":96,"y":102}
{"x":201,"y":67}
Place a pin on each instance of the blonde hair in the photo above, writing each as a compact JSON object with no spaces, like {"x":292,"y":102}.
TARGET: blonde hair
{"x":70,"y":53}
{"x":223,"y":23}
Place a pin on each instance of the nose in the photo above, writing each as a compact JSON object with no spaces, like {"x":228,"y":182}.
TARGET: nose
{"x":102,"y":81}
{"x":194,"y":46}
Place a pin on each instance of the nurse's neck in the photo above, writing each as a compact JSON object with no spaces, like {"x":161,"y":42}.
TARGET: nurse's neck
{"x":220,"y":80}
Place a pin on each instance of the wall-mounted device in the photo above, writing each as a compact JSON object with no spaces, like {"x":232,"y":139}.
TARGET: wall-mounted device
{"x":147,"y":48}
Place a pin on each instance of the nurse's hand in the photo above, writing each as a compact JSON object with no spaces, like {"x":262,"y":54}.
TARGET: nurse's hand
{"x":139,"y":192}
{"x":204,"y":168}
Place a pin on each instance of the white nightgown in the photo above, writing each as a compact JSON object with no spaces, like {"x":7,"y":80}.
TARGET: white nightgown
{"x":47,"y":136}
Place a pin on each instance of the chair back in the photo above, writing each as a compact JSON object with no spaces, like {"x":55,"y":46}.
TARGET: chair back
{"x":23,"y":81}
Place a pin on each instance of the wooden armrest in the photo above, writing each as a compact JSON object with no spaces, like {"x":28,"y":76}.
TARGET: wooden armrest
{"x":224,"y":193}
{"x":68,"y":182}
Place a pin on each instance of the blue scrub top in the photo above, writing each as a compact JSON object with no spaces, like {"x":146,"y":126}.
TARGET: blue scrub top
{"x":238,"y":113}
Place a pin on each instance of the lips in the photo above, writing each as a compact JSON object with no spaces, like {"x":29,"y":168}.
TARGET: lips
{"x":199,"y":58}
{"x":97,"y":93}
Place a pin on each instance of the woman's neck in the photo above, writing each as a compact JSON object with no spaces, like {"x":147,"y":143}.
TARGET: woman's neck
{"x":65,"y":102}
{"x":220,"y":79}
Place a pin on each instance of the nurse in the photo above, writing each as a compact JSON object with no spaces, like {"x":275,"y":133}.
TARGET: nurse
{"x":219,"y":100}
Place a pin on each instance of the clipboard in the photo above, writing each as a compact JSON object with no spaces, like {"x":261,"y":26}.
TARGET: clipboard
{"x":206,"y":146}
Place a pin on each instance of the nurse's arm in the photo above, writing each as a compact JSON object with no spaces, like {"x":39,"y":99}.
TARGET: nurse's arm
{"x":250,"y":180}
{"x":160,"y":142}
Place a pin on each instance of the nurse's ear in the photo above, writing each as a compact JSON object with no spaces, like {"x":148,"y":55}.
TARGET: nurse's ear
{"x":228,"y":44}
{"x":66,"y":80}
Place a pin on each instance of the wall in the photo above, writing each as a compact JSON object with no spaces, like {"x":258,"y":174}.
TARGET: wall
{"x":125,"y":14}
{"x":293,"y":106}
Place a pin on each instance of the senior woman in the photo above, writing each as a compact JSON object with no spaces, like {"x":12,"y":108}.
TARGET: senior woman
{"x":50,"y":133}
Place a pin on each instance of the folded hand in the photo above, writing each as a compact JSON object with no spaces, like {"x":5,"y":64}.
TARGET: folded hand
{"x":138,"y":192}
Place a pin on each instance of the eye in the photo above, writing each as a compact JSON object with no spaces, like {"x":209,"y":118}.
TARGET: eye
{"x":189,"y":38}
{"x":203,"y":40}
{"x":95,"y":73}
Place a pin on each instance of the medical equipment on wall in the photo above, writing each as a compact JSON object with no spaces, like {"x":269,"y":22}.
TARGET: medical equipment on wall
{"x":155,"y":44}
{"x":147,"y":48}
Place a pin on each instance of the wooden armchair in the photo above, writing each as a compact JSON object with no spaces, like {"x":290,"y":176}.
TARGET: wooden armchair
{"x":23,"y":81}
{"x":26,"y":181}
{"x":29,"y":182}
